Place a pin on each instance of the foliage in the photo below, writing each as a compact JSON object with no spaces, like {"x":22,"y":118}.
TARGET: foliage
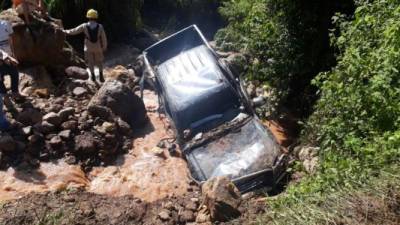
{"x":357,"y":118}
{"x":369,"y":202}
{"x":120,"y":18}
{"x":360,"y":98}
{"x":172,"y":15}
{"x":287,"y":41}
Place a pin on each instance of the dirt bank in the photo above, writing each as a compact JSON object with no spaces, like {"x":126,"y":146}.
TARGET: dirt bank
{"x":79,"y":207}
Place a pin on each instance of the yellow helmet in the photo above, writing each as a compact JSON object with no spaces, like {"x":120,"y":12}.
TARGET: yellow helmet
{"x":92,"y":14}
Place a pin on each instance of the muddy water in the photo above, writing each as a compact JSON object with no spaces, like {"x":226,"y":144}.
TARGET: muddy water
{"x":49,"y":177}
{"x":140,"y":173}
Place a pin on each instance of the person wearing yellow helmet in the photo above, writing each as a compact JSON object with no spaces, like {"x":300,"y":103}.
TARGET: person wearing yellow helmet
{"x":95,"y":43}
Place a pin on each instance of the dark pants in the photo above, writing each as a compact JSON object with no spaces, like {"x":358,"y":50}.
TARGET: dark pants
{"x":13,"y":73}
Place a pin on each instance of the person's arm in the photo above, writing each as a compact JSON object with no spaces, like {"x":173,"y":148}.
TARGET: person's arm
{"x":77,"y":30}
{"x":103,"y":39}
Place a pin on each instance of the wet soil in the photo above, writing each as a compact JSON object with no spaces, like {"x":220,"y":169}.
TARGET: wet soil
{"x":49,"y":177}
{"x":142,"y":173}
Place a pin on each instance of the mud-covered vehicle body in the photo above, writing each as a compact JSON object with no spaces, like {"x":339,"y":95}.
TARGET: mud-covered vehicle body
{"x":215,"y":124}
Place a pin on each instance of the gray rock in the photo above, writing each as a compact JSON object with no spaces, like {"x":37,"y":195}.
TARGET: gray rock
{"x":65,"y":113}
{"x":45,"y":127}
{"x":311,"y":165}
{"x":121,"y":100}
{"x":222,"y":199}
{"x":69,"y":125}
{"x":27,"y":130}
{"x":251,"y":90}
{"x":56,"y":141}
{"x":124,"y":127}
{"x":79,"y":91}
{"x":70,"y":159}
{"x":109,"y":127}
{"x":65,"y":134}
{"x":77,"y":73}
{"x":54,"y":108}
{"x":164,"y":215}
{"x":52,"y":118}
{"x":307,"y":153}
{"x":101,"y":112}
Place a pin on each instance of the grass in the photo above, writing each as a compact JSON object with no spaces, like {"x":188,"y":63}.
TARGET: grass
{"x":376,"y":201}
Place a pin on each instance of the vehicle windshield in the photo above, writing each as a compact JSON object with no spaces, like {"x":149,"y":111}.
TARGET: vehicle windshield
{"x":197,"y":95}
{"x":250,"y":149}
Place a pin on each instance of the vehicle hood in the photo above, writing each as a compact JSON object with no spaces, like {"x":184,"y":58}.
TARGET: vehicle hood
{"x":246,"y":151}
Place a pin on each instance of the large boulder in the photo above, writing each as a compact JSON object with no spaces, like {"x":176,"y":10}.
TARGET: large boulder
{"x":221,"y":198}
{"x":77,"y":73}
{"x":121,"y":101}
{"x":41,"y":42}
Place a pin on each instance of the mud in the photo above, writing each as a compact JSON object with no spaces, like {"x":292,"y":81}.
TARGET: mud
{"x":142,"y":173}
{"x":49,"y":177}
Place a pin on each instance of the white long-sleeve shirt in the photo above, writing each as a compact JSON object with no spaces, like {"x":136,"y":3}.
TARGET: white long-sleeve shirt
{"x":5,"y":31}
{"x":99,"y":46}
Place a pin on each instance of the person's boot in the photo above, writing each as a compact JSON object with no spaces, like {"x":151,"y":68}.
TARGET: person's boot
{"x":101,"y":77}
{"x":93,"y":77}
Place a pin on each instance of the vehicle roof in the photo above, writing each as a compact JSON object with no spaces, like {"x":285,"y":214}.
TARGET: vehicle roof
{"x":195,"y":88}
{"x":174,"y":44}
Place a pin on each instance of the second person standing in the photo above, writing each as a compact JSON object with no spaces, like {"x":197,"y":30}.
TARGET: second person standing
{"x":95,"y":43}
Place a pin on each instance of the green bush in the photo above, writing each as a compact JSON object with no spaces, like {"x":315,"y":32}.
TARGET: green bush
{"x":259,"y":30}
{"x":287,"y":41}
{"x":359,"y":104}
{"x":120,"y":18}
{"x":356,"y":122}
{"x":171,"y":15}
